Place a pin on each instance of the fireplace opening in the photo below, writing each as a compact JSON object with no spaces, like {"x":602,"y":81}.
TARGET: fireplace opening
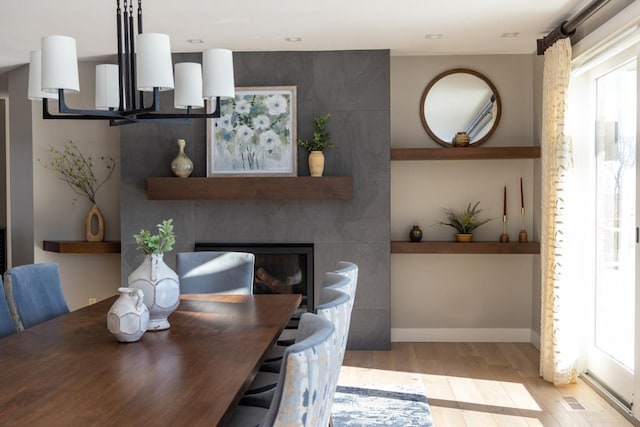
{"x":279,"y":268}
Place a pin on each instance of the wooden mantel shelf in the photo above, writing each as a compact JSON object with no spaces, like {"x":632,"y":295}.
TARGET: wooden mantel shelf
{"x":448,"y":247}
{"x":251,"y":188}
{"x":81,"y":247}
{"x":465,"y":153}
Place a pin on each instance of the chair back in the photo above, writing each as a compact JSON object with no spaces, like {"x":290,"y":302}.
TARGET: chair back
{"x":216,"y":272}
{"x":34,"y":294}
{"x":7,"y":327}
{"x":350,"y":270}
{"x":305,"y":388}
{"x":337,"y":281}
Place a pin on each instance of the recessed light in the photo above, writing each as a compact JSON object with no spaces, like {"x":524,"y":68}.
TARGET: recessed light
{"x":293,"y":39}
{"x":433,"y":36}
{"x":195,"y":41}
{"x":509,"y":35}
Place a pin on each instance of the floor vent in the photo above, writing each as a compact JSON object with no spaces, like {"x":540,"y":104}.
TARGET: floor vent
{"x":573,"y":403}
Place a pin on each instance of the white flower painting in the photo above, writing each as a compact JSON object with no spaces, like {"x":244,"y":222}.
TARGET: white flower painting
{"x":255,"y":134}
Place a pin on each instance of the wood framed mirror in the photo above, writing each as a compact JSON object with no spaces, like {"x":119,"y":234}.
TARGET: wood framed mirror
{"x":460,"y":100}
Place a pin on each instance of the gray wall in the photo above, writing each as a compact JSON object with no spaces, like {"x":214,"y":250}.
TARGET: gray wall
{"x":353,"y":87}
{"x":21,"y":174}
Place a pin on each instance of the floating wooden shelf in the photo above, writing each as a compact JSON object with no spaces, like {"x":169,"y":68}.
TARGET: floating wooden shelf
{"x":447,"y":247}
{"x":465,"y":153}
{"x":251,"y":188}
{"x":81,"y":247}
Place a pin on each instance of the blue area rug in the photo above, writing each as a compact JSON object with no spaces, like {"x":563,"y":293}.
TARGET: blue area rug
{"x":372,"y":407}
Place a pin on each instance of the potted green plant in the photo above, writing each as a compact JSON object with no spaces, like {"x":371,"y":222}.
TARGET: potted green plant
{"x":321,"y":140}
{"x":158,"y":282}
{"x":464,"y":222}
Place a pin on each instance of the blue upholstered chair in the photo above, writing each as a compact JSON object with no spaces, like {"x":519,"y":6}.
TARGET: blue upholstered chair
{"x":7,"y":327}
{"x":215,"y":272}
{"x":306,"y":381}
{"x":34,"y":294}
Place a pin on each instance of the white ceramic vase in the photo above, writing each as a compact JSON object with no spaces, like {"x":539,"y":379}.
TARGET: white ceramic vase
{"x":161,"y":289}
{"x":128,"y":317}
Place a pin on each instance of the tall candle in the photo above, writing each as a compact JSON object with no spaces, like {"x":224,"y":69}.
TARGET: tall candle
{"x":504,"y":205}
{"x":521,"y":195}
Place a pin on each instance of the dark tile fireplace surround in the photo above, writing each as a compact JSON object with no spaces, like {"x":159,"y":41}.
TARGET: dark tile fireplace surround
{"x":353,"y":86}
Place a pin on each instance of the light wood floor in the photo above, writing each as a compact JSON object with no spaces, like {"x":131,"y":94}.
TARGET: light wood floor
{"x":481,"y":384}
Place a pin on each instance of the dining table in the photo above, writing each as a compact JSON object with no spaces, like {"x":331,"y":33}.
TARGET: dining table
{"x":71,"y":371}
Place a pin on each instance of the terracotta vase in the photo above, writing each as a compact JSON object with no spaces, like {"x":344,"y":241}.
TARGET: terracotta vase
{"x":160,"y":287}
{"x":316,"y":163}
{"x":94,"y":220}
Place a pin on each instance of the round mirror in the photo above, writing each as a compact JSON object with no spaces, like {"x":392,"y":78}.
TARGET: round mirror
{"x":460,"y":100}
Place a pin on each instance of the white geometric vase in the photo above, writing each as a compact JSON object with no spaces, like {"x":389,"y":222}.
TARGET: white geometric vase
{"x":161,"y":289}
{"x":128,"y":317}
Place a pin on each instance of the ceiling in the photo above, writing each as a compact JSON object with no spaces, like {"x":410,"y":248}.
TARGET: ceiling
{"x":465,"y":26}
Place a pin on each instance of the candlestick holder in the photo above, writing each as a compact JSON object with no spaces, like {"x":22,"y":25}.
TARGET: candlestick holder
{"x":504,"y":237}
{"x":522,"y":236}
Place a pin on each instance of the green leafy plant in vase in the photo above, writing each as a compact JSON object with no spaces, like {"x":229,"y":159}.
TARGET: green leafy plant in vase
{"x":321,"y":140}
{"x":464,"y":222}
{"x":158,"y":282}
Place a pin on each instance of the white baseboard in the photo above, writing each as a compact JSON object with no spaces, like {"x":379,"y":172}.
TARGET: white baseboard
{"x":462,"y":335}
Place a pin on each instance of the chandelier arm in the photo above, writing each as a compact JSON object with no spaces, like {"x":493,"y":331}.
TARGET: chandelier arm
{"x":126,"y":66}
{"x":75,"y":114}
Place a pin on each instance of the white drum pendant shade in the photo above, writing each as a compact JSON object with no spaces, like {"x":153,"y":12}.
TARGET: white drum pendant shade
{"x":217,"y":70}
{"x":35,"y":76}
{"x":107,"y":87}
{"x":153,"y":62}
{"x":188,"y":90}
{"x":59,"y":64}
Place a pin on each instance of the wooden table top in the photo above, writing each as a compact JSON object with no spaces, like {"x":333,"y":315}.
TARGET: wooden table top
{"x":71,"y":371}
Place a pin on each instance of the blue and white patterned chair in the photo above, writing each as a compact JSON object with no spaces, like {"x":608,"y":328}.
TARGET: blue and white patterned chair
{"x":34,"y":294}
{"x":209,"y":272}
{"x":306,"y":384}
{"x":7,"y":327}
{"x":330,"y":280}
{"x":335,"y":307}
{"x":350,"y":270}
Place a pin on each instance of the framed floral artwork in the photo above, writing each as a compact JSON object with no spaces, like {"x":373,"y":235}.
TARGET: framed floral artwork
{"x":255,"y":134}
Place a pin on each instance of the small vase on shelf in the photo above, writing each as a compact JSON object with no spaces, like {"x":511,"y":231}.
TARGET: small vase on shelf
{"x":182,"y":166}
{"x":316,"y":163}
{"x":415,"y":234}
{"x":94,"y":221}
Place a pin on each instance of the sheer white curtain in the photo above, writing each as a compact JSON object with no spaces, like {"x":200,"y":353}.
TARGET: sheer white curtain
{"x":559,"y":341}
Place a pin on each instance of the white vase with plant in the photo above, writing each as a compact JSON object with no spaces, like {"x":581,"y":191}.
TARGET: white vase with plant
{"x":158,"y":282}
{"x":76,"y":169}
{"x":464,"y":222}
{"x":321,"y":140}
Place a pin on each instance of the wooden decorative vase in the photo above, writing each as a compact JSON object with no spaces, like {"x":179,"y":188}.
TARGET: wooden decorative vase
{"x":95,"y":221}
